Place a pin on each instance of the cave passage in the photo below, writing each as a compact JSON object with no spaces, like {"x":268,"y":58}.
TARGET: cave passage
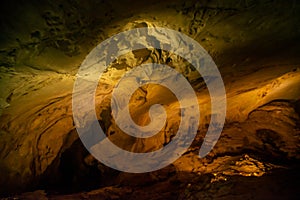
{"x":255,"y":46}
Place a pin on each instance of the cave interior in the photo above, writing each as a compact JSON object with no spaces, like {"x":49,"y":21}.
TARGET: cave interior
{"x":255,"y":45}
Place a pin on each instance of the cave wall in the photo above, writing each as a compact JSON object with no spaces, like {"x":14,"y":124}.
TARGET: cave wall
{"x":255,"y":44}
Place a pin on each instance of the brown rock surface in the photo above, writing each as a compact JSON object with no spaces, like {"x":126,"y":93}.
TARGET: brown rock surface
{"x":256,"y":46}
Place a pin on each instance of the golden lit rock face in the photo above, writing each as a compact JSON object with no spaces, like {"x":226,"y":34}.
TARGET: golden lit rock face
{"x":256,"y":46}
{"x":139,"y":109}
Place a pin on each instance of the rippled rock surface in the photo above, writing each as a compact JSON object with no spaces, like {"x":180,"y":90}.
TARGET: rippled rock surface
{"x":255,"y":45}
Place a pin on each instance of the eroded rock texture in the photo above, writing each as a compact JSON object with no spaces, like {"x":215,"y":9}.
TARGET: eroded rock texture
{"x":256,"y":46}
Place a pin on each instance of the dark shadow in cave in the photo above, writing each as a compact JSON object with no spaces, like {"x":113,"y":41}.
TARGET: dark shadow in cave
{"x":71,"y":173}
